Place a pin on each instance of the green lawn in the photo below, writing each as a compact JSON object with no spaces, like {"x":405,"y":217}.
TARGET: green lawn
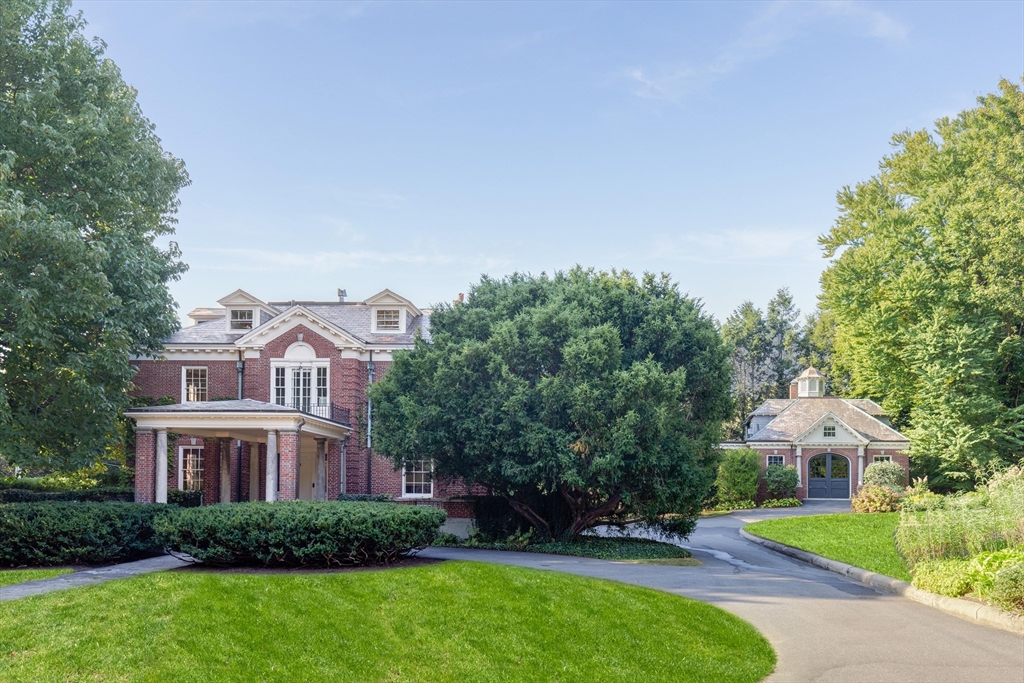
{"x":11,"y":576}
{"x":453,"y":621}
{"x":864,"y":540}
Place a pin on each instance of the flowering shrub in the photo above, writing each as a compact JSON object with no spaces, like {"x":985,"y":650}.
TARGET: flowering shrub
{"x":875,"y":499}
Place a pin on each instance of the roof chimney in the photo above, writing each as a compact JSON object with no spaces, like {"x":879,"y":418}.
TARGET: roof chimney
{"x":342,"y":293}
{"x":794,"y":389}
{"x":462,"y":298}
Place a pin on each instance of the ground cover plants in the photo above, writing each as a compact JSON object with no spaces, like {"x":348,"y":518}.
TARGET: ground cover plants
{"x":452,"y":621}
{"x":599,"y":547}
{"x":861,"y":540}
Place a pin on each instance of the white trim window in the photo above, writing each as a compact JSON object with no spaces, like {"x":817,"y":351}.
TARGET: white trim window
{"x":882,"y":458}
{"x":829,"y":431}
{"x":241,"y":319}
{"x":190,"y":468}
{"x":776,"y":460}
{"x":418,"y":479}
{"x":389,"y":319}
{"x":304,"y":386}
{"x":194,"y":384}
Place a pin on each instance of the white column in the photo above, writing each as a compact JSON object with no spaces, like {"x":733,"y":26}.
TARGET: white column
{"x":225,"y":471}
{"x":799,"y":466}
{"x":271,"y":465}
{"x":161,"y":466}
{"x":320,"y":475}
{"x":860,"y":466}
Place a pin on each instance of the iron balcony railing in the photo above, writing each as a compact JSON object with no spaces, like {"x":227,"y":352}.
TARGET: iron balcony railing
{"x":322,"y":409}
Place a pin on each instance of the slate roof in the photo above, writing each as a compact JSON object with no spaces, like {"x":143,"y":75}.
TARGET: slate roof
{"x":352,"y":317}
{"x":801,"y":413}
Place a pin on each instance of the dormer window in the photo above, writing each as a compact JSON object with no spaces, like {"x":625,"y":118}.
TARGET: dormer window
{"x":830,"y":431}
{"x":241,"y":319}
{"x":388,"y":319}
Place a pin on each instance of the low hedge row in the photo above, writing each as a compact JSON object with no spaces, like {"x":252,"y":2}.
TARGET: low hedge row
{"x":121,"y":494}
{"x":55,"y":533}
{"x":366,"y":498}
{"x":301,"y":533}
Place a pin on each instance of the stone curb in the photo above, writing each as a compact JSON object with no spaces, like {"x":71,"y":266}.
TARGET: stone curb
{"x":965,"y":609}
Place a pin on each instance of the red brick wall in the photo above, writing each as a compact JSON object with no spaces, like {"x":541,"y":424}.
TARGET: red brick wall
{"x":145,"y":467}
{"x":288,"y":453}
{"x":159,"y":378}
{"x":850,"y":453}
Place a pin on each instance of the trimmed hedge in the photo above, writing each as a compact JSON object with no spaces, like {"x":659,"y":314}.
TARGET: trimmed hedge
{"x":366,"y":498}
{"x":185,"y":499}
{"x":120,"y":494}
{"x":300,"y":533}
{"x":55,"y":533}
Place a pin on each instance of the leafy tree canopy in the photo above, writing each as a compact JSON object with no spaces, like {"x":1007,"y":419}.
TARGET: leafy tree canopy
{"x":925,"y":296}
{"x":578,"y":397}
{"x":85,"y":189}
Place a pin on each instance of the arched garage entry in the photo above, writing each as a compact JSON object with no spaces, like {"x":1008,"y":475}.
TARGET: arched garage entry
{"x":828,"y":476}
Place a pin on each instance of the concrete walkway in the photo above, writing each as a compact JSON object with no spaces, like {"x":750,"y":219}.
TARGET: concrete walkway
{"x":90,"y":577}
{"x":824,"y":627}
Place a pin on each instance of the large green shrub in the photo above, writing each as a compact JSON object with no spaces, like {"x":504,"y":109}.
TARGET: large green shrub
{"x":366,"y":497}
{"x":780,"y":481}
{"x":945,"y":577}
{"x":98,"y":495}
{"x":56,"y":533}
{"x":888,"y":474}
{"x":185,"y":499}
{"x":738,"y":476}
{"x":300,"y":533}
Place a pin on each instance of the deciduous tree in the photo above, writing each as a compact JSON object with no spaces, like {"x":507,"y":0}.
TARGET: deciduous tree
{"x":85,"y":191}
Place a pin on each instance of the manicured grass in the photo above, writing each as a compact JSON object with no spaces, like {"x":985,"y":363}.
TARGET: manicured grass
{"x":861,"y":540}
{"x":12,"y":576}
{"x":597,"y":547}
{"x":453,"y":621}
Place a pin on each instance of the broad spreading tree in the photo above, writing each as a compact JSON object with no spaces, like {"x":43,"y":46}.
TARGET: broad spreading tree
{"x":85,"y":191}
{"x":578,"y":398}
{"x":925,"y":295}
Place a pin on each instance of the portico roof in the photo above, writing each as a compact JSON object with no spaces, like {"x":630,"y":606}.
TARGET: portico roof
{"x":243,"y":419}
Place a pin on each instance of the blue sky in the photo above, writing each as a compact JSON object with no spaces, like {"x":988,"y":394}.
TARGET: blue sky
{"x":417,"y":145}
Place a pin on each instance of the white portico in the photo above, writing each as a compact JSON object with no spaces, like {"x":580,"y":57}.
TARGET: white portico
{"x":301,"y":454}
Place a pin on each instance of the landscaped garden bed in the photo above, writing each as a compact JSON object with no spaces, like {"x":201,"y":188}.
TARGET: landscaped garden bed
{"x":451,"y":621}
{"x":599,"y":547}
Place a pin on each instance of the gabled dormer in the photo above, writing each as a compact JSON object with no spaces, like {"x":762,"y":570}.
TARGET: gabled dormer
{"x":390,"y":313}
{"x":242,"y":311}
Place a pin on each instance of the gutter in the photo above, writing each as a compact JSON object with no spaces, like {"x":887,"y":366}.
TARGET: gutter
{"x":240,"y":366}
{"x":369,"y":426}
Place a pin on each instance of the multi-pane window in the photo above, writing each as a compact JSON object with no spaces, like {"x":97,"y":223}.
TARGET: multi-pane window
{"x":280,"y":388}
{"x":241,"y":319}
{"x":387,"y":319}
{"x":301,"y":388}
{"x":192,"y":468}
{"x":321,"y":386}
{"x":418,"y":478}
{"x":194,"y":385}
{"x":776,"y":460}
{"x":830,"y":431}
{"x":883,"y":458}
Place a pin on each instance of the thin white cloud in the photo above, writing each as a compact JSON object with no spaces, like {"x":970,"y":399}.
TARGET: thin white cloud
{"x":743,"y":246}
{"x":759,"y":39}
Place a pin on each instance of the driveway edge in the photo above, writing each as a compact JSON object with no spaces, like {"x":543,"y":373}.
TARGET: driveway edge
{"x":965,"y":609}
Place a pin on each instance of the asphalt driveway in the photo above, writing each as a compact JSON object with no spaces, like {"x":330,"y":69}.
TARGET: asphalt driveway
{"x":823,"y":626}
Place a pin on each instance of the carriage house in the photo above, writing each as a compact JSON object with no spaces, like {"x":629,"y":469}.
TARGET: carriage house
{"x":265,"y":400}
{"x":829,"y":440}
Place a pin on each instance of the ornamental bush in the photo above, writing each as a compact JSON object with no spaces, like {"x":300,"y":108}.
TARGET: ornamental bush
{"x":366,"y":497}
{"x":780,"y":481}
{"x":738,"y":476}
{"x":875,"y":499}
{"x":96,"y":495}
{"x":945,"y":577}
{"x":55,"y":533}
{"x":300,"y":533}
{"x":1008,"y":587}
{"x":782,"y":503}
{"x":888,"y":474}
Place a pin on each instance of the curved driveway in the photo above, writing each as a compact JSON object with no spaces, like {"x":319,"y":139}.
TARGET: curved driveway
{"x":823,"y":626}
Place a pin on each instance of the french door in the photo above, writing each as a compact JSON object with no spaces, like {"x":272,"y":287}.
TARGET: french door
{"x":303,"y":388}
